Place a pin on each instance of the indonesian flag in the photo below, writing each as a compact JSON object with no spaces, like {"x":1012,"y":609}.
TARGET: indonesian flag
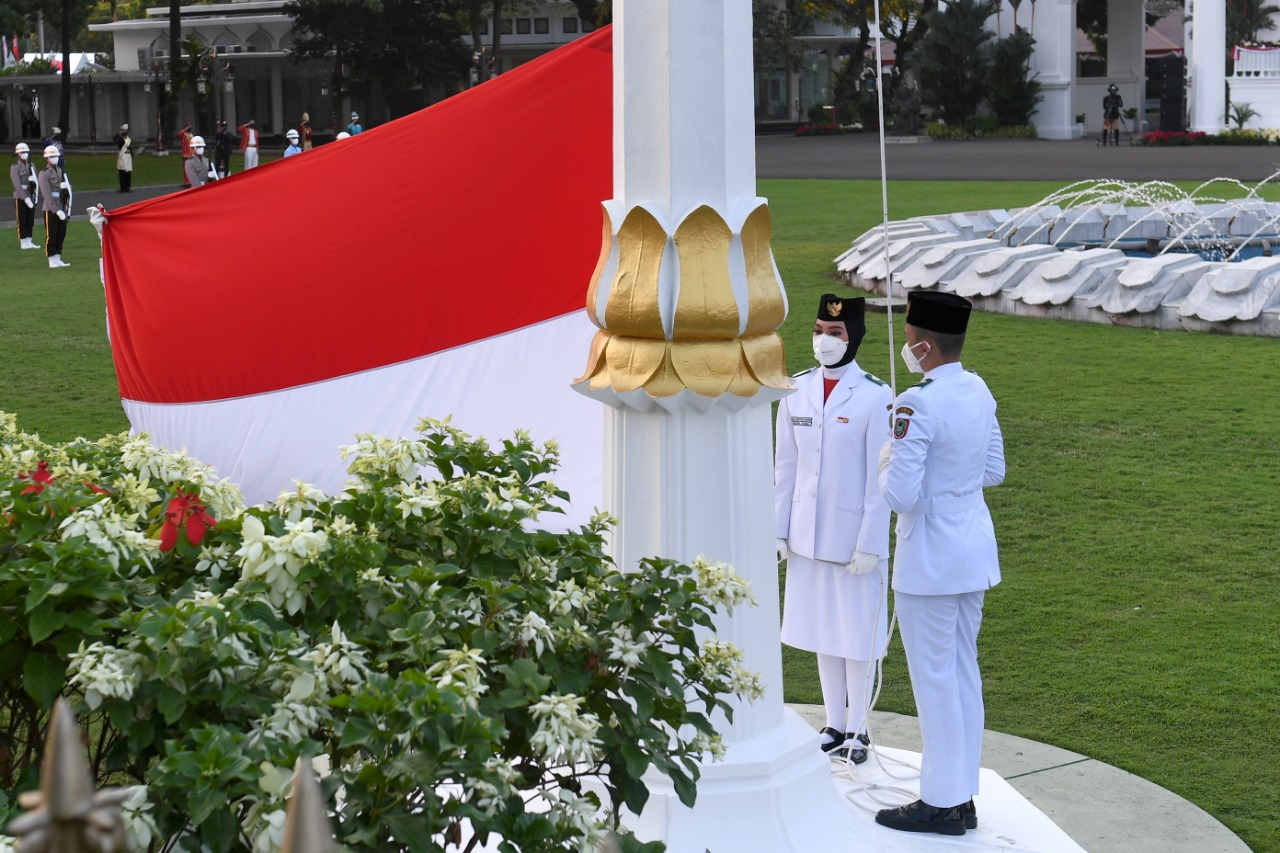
{"x":434,"y":266}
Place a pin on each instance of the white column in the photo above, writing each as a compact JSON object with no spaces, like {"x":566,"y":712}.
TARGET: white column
{"x":688,"y":300}
{"x":1208,"y":65}
{"x":1054,"y":61}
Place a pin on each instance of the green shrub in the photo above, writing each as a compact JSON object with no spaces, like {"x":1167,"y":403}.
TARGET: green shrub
{"x":1012,"y":92}
{"x":816,"y":113}
{"x":941,"y":131}
{"x":980,"y":126}
{"x":1016,"y":131}
{"x":460,"y":672}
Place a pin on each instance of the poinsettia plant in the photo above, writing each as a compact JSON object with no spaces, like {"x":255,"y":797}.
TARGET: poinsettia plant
{"x":458,"y":673}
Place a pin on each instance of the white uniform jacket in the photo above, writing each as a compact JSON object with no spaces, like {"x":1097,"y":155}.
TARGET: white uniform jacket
{"x":946,"y":447}
{"x":826,"y":499}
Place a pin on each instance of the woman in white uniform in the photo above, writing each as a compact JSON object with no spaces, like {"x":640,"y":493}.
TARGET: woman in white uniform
{"x":833,"y":522}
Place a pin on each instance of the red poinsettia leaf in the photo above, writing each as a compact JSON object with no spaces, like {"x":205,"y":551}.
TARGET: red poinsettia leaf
{"x":168,"y":536}
{"x":195,"y":528}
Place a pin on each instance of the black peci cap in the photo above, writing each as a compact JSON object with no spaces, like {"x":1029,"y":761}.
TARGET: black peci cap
{"x":944,"y":313}
{"x":839,"y":309}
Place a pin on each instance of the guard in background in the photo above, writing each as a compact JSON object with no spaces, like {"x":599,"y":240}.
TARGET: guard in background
{"x":26,"y":194}
{"x":124,"y":159}
{"x":292,"y":148}
{"x":304,"y":131}
{"x":355,"y":128}
{"x":249,"y":140}
{"x":55,"y":191}
{"x":222,"y":150}
{"x":1112,"y":103}
{"x":946,"y":448}
{"x":199,"y":171}
{"x":833,"y":522}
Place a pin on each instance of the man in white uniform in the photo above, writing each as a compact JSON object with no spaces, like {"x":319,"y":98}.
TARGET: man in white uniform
{"x":832,"y":521}
{"x":946,"y":448}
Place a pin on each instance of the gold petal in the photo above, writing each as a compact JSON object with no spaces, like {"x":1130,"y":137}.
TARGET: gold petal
{"x":632,"y":361}
{"x":595,"y":356}
{"x":766,"y":309}
{"x":706,"y":367}
{"x":743,"y":384}
{"x":632,"y":308}
{"x":665,"y":383}
{"x":765,"y":356}
{"x":706,"y":307}
{"x":592,"y":290}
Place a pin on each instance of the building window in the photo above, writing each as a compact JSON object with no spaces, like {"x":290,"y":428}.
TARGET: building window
{"x":523,"y":26}
{"x":571,"y":25}
{"x":506,"y":27}
{"x":542,"y":26}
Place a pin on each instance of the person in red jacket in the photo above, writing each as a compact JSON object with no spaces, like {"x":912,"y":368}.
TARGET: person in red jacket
{"x":185,"y":135}
{"x":249,"y":143}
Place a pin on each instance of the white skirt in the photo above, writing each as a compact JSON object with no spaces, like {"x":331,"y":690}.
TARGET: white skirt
{"x":832,"y":612}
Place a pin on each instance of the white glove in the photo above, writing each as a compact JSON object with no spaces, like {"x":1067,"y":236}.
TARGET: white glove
{"x":862,"y":563}
{"x":886,"y":453}
{"x":783,"y":553}
{"x":32,"y":177}
{"x":62,"y":214}
{"x":64,"y":184}
{"x":29,"y":202}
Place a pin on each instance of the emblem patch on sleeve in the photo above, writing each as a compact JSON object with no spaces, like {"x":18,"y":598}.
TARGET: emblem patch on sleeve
{"x":900,"y":427}
{"x":798,"y":422}
{"x":905,"y":410}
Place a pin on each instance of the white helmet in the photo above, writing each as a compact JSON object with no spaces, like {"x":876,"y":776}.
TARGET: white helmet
{"x":197,"y":142}
{"x":292,"y":135}
{"x":51,"y":151}
{"x":342,"y":134}
{"x":21,"y":148}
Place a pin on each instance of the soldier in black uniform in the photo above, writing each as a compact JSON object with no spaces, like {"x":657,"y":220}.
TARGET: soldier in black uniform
{"x":1112,"y":103}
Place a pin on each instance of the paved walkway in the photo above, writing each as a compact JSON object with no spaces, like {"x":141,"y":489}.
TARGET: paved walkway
{"x":857,"y":155}
{"x":1103,"y":809}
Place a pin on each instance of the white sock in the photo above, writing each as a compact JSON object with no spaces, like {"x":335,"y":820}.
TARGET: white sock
{"x":857,"y":675}
{"x":831,"y":674}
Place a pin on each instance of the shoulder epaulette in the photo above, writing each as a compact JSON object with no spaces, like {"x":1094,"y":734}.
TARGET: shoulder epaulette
{"x":803,"y":372}
{"x":876,"y":379}
{"x":974,"y":372}
{"x":922,"y":384}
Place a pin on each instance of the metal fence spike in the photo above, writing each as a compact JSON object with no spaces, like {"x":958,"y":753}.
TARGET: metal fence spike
{"x":306,"y":826}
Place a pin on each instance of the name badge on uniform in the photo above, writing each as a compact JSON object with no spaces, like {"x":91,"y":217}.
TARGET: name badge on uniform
{"x":843,"y":420}
{"x":798,"y":422}
{"x":56,"y":194}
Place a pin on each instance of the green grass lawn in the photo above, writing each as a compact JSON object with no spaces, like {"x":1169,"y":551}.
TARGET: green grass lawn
{"x":1137,"y":622}
{"x":97,"y":171}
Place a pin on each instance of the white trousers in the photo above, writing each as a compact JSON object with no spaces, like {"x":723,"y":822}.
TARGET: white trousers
{"x":250,"y":157}
{"x":940,"y":637}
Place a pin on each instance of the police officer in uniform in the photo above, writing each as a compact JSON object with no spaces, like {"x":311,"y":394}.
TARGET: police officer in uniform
{"x":198,"y":169}
{"x":946,"y":448}
{"x":832,"y":521}
{"x":26,"y":194}
{"x":55,"y":190}
{"x":292,"y":149}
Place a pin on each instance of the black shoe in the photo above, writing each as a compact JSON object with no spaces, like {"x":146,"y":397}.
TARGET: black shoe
{"x":838,"y":739}
{"x":970,"y":815}
{"x":854,"y":748}
{"x":922,"y":817}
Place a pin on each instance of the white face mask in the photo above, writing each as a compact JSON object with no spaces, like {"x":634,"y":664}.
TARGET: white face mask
{"x":913,"y":363}
{"x":53,"y":161}
{"x":199,"y":150}
{"x":23,"y":156}
{"x":828,"y":349}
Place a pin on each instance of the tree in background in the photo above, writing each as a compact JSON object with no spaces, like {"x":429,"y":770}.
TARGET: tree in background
{"x":1012,"y":91}
{"x":397,"y":45}
{"x":954,"y":58}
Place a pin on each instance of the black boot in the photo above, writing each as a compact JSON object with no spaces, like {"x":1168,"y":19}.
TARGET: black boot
{"x":1115,"y":138}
